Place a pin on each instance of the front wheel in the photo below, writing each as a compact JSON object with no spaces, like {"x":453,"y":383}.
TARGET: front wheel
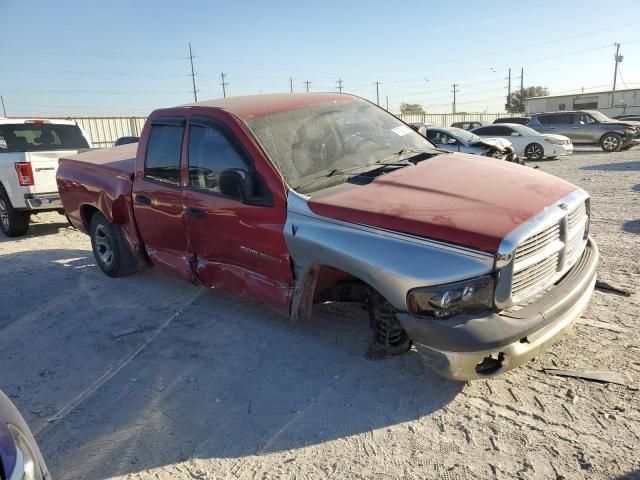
{"x":14,"y":223}
{"x":534,"y":152}
{"x":611,"y":142}
{"x":109,"y":248}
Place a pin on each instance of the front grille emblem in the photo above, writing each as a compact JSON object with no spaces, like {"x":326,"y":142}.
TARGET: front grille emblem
{"x":563,"y":206}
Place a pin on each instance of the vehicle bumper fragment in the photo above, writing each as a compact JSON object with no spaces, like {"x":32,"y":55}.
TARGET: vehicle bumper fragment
{"x":469,"y":347}
{"x":43,"y":201}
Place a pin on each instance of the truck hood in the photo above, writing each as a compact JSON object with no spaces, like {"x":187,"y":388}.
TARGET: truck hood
{"x":458,"y":198}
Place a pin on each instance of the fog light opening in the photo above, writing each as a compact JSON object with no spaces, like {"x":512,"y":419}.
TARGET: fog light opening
{"x":490,"y":364}
{"x":524,"y":340}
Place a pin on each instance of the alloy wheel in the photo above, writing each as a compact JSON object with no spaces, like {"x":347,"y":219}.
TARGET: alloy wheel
{"x":610,"y":143}
{"x":4,"y":214}
{"x":103,"y":245}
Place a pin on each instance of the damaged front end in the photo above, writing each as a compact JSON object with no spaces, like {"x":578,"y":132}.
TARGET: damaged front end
{"x":501,"y":150}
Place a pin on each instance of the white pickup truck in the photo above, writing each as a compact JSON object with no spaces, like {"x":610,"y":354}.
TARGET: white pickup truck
{"x":29,"y":152}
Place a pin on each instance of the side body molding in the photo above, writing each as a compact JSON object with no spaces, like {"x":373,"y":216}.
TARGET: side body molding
{"x":390,"y":262}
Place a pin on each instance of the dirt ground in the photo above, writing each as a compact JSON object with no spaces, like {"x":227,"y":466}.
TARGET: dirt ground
{"x":147,"y":377}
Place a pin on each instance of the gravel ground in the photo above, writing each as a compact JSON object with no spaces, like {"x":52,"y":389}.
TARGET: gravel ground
{"x":147,"y":377}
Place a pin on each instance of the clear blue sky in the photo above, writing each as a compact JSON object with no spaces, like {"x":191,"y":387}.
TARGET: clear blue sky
{"x":129,"y":57}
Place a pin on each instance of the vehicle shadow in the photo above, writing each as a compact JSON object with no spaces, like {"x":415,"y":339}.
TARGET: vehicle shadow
{"x":123,"y":375}
{"x":38,"y":228}
{"x":613,"y":167}
{"x":632,"y":226}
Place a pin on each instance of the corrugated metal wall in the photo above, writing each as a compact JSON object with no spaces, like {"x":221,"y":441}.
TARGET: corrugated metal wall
{"x":446,"y":119}
{"x":104,"y":131}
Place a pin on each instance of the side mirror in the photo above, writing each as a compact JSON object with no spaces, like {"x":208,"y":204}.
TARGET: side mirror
{"x":236,"y":183}
{"x":515,"y":134}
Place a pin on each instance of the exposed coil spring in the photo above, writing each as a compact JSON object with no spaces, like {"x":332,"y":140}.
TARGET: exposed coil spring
{"x":387,"y":328}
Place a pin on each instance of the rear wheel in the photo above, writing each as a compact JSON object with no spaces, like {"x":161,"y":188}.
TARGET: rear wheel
{"x":109,"y":248}
{"x":14,"y":223}
{"x":611,"y":142}
{"x":534,"y":152}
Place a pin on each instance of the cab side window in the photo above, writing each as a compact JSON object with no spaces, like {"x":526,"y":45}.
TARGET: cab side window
{"x":163,"y":154}
{"x":210,"y":154}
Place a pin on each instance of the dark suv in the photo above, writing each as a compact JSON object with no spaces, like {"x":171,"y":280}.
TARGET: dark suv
{"x":589,"y":127}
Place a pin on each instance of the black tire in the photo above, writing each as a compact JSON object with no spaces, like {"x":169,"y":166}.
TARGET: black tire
{"x":611,"y":142}
{"x":534,"y":152}
{"x":109,"y":248}
{"x":14,"y":223}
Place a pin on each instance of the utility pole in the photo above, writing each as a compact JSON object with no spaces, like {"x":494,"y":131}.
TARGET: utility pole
{"x":387,"y":103}
{"x":291,"y":84}
{"x":454,"y":91}
{"x":339,"y":85}
{"x":307,"y":83}
{"x":4,"y":112}
{"x":378,"y":93}
{"x":615,"y":74}
{"x":193,"y":76}
{"x":522,"y":88}
{"x":508,"y":105}
{"x":224,"y":84}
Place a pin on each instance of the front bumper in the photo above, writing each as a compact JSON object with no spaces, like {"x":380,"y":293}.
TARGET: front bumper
{"x":43,"y":201}
{"x":457,"y":347}
{"x":558,"y":150}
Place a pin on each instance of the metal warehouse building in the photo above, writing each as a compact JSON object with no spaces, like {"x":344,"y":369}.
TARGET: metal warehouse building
{"x":626,"y":102}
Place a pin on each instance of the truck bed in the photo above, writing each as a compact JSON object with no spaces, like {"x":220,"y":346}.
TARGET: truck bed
{"x":100,"y":180}
{"x":115,"y":160}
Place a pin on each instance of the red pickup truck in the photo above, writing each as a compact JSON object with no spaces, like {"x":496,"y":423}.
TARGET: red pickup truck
{"x":295,"y":199}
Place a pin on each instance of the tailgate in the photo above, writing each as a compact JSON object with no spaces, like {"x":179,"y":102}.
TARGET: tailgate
{"x":44,"y":166}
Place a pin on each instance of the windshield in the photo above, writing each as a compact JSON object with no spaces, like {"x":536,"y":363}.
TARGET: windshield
{"x":524,"y":130}
{"x":601,"y":117}
{"x":308,"y":142}
{"x":465,"y":135}
{"x":30,"y":137}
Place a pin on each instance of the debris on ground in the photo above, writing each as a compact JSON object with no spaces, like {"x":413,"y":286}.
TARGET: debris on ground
{"x":592,"y":375}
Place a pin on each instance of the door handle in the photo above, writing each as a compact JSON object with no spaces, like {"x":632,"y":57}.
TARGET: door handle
{"x":574,"y":128}
{"x":143,"y":199}
{"x":195,"y":212}
{"x":552,"y":128}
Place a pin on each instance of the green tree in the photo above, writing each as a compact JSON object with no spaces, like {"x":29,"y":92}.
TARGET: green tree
{"x":412,"y":108}
{"x":515,"y":103}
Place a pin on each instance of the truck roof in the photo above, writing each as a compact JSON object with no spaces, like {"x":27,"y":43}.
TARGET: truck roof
{"x":13,"y":121}
{"x":250,"y":106}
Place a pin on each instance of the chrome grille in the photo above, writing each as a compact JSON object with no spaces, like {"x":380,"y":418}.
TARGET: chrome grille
{"x":544,"y":257}
{"x":535,"y":243}
{"x":576,"y":216}
{"x":535,"y":275}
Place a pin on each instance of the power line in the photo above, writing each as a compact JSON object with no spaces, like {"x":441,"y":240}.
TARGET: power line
{"x":193,"y":75}
{"x":224,"y":84}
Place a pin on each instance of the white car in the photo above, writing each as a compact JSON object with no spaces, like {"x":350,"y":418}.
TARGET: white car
{"x":527,"y":142}
{"x":29,"y":152}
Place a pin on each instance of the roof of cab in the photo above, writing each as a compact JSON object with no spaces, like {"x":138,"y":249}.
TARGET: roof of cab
{"x":51,"y":121}
{"x":250,"y":106}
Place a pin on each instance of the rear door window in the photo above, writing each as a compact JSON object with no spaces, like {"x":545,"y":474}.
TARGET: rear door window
{"x":490,"y":130}
{"x":40,"y":137}
{"x":163,"y":154}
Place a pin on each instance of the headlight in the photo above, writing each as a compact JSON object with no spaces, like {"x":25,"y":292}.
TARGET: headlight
{"x":453,"y":298}
{"x":31,"y":469}
{"x":554,"y":141}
